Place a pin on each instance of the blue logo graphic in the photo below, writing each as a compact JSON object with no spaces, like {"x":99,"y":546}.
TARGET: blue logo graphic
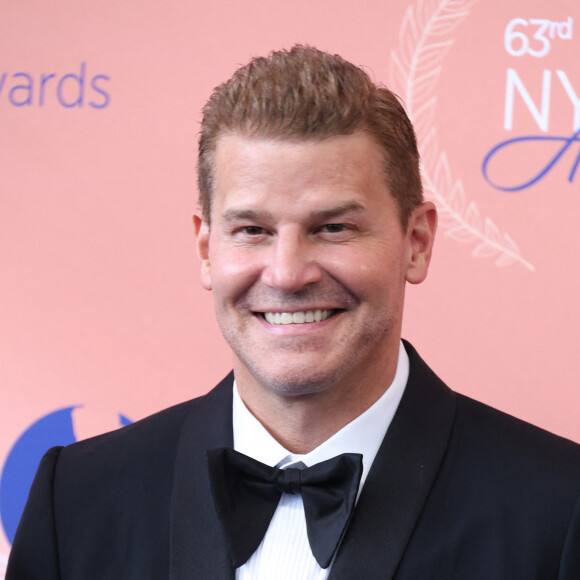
{"x":567,"y":142}
{"x":56,"y":428}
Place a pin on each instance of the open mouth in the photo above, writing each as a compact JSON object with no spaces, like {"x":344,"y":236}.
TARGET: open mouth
{"x":303,"y":317}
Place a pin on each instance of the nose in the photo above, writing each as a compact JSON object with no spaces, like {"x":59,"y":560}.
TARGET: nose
{"x":292,"y":263}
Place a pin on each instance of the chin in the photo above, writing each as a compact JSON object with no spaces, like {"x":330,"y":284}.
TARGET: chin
{"x":296,"y":381}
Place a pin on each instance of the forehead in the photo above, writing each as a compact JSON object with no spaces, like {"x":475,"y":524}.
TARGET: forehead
{"x":262,"y":168}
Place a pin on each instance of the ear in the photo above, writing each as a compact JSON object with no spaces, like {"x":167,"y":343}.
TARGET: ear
{"x":202,"y":246}
{"x":420,"y":236}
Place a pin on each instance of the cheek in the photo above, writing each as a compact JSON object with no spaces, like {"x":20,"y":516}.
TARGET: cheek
{"x":233,"y":271}
{"x":361,"y":271}
{"x":378,"y":279}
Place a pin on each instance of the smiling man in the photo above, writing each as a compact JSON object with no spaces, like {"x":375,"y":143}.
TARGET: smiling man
{"x":307,"y":260}
{"x":332,"y":450}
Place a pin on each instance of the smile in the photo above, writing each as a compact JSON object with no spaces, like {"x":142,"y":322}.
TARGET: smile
{"x":298,"y":317}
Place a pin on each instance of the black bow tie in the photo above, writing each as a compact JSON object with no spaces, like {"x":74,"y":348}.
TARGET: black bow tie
{"x":246,"y":494}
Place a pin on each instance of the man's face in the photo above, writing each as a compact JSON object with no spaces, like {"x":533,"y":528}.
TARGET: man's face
{"x":307,"y":261}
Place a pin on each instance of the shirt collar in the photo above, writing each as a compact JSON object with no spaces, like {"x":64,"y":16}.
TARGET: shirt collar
{"x":364,"y":434}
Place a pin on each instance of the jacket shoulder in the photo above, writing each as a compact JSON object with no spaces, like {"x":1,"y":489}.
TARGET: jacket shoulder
{"x":515,"y":448}
{"x":153,"y":432}
{"x":138,"y":451}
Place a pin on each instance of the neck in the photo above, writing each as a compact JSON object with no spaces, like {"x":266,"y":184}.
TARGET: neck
{"x":300,"y":423}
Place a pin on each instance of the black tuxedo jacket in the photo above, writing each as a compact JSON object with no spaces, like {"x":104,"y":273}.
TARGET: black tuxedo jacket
{"x":457,"y":491}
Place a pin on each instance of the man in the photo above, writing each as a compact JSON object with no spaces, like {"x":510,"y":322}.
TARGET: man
{"x":313,"y":222}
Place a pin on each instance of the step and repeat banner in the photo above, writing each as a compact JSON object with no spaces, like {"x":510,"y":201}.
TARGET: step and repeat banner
{"x":102,"y":317}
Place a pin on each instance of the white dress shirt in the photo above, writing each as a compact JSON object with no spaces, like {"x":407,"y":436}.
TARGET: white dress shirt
{"x":284,"y":553}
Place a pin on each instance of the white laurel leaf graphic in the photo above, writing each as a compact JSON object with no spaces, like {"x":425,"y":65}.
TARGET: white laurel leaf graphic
{"x":472,"y":216}
{"x":414,"y":69}
{"x":424,"y":116}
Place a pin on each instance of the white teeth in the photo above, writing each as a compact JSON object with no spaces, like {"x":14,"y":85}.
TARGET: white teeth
{"x":297,"y":317}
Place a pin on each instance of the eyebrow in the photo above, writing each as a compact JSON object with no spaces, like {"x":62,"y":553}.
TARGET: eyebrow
{"x":350,"y":207}
{"x":233,"y":214}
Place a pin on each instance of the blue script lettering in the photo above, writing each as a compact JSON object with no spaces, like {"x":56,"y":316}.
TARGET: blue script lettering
{"x":567,"y":142}
{"x":97,"y":89}
{"x":43,"y":80}
{"x":27,"y":88}
{"x":70,"y":90}
{"x":78,"y":87}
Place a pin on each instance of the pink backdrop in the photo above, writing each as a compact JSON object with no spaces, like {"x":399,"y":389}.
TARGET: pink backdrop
{"x":100,"y":302}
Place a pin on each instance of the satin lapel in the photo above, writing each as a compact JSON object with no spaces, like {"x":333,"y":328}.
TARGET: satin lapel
{"x":197,"y":545}
{"x":400,"y":479}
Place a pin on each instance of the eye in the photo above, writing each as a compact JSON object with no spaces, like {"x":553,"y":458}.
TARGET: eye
{"x":333,"y":228}
{"x":252,"y":230}
{"x":336,"y":233}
